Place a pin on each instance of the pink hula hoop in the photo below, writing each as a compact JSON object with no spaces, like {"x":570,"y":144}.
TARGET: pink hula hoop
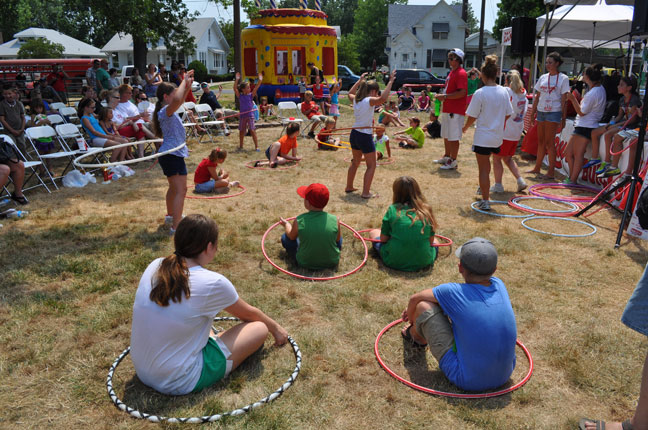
{"x":534,"y":189}
{"x":624,"y":149}
{"x":250,"y":165}
{"x":368,"y":239}
{"x":311,"y":278}
{"x":218,"y":196}
{"x":443,"y":393}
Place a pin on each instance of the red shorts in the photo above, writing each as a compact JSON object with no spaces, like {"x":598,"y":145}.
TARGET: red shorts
{"x":508,"y":148}
{"x":129,"y":131}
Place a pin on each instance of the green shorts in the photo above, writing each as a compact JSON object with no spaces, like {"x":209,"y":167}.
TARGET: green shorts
{"x":215,"y":363}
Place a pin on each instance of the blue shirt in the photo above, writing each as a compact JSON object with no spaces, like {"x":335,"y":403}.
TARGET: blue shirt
{"x":95,"y":124}
{"x":173,"y":133}
{"x":485,"y":332}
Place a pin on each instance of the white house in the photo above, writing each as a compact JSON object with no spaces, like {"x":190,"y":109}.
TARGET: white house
{"x":211,"y":48}
{"x":419,"y":37}
{"x":491,"y":46}
{"x":73,"y":48}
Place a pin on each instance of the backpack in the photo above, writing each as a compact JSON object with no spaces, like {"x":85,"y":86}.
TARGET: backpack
{"x":642,"y":209}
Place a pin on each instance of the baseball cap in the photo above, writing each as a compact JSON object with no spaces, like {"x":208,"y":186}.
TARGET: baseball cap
{"x":458,"y":52}
{"x":478,"y":255}
{"x":204,"y":84}
{"x":316,"y":194}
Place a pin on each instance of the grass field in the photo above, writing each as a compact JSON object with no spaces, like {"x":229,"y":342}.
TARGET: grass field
{"x":71,"y":268}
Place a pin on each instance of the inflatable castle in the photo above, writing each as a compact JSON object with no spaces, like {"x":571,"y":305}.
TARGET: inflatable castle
{"x":280,"y":43}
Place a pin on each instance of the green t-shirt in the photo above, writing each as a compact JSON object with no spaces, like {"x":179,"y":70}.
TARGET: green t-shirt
{"x":381,"y":144}
{"x":317,"y":233}
{"x":104,"y":78}
{"x":408,"y":247}
{"x":417,"y":134}
{"x":473,"y":85}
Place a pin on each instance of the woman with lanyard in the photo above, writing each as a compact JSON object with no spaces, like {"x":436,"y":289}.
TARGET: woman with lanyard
{"x":364,"y":96}
{"x":549,"y":102}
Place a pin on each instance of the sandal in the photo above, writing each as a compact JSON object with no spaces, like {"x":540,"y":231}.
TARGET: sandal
{"x":408,"y":337}
{"x":22,"y":199}
{"x":600,"y":424}
{"x":351,"y":190}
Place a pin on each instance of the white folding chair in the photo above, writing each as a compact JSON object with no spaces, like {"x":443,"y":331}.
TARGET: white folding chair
{"x":57,"y":106}
{"x":69,"y":114}
{"x":310,"y":121}
{"x":55,"y":119}
{"x":43,"y":132}
{"x":207,"y":119}
{"x":288,"y":112}
{"x":190,"y":127}
{"x":29,"y":165}
{"x":72,"y":140}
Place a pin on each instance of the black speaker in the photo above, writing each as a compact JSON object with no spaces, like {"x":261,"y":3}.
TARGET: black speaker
{"x":523,"y":37}
{"x":640,"y":18}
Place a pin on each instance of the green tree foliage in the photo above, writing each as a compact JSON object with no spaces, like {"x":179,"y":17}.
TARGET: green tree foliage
{"x":40,"y":48}
{"x":227,"y":27}
{"x":509,"y":9}
{"x":348,"y":52}
{"x":472,"y":22}
{"x":369,"y":30}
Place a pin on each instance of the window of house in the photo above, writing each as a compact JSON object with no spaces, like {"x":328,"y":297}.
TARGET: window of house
{"x":281,"y":61}
{"x":428,"y":60}
{"x":440,"y":30}
{"x":115,"y":60}
{"x":414,"y":31}
{"x":250,"y":61}
{"x":209,"y":35}
{"x":439,"y":57}
{"x":405,"y":58}
{"x":129,"y":58}
{"x":328,"y":63}
{"x":202,"y":57}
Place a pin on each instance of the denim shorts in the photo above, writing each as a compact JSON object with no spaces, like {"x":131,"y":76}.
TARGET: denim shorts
{"x":585,"y":132}
{"x":205,"y":187}
{"x":362,"y":142}
{"x":550,"y":117}
{"x":635,"y":314}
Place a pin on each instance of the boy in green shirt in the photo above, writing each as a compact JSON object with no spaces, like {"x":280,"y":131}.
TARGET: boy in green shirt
{"x":314,"y":238}
{"x":413,"y":137}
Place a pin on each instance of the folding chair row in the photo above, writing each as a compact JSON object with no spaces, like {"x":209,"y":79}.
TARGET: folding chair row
{"x":30,"y":166}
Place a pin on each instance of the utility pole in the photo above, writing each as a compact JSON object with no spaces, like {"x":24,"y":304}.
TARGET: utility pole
{"x":464,"y":15}
{"x":480,"y":58}
{"x":237,"y":36}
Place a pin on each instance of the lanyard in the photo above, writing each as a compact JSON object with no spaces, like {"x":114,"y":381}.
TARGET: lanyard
{"x":549,"y":82}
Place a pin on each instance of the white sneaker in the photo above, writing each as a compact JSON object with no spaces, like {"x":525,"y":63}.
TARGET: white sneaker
{"x":234,"y":184}
{"x":521,"y":184}
{"x":484,"y":205}
{"x":442,"y":160}
{"x":497,"y":188}
{"x":168,"y":220}
{"x":450,"y":165}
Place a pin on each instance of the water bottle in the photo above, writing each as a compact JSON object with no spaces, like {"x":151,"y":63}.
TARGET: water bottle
{"x":17,"y":214}
{"x":4,"y":201}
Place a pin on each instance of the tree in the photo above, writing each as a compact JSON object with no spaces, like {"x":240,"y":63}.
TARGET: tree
{"x":472,"y":23}
{"x":369,"y":29}
{"x":40,"y":48}
{"x":509,"y":9}
{"x":227,"y":27}
{"x":348,"y":52}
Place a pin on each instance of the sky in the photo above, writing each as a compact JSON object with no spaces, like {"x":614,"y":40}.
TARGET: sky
{"x":208,"y":9}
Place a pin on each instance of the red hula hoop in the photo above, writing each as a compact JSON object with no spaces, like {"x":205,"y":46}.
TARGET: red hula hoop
{"x":624,"y":149}
{"x":151,"y":166}
{"x":515,"y":205}
{"x":310,"y":278}
{"x":368,"y":239}
{"x":599,"y":195}
{"x":534,"y":189}
{"x":218,"y":196}
{"x":389,"y":160}
{"x":443,"y":393}
{"x":250,"y":165}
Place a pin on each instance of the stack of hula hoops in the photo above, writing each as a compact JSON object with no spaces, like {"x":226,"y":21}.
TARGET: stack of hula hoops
{"x":571,"y":206}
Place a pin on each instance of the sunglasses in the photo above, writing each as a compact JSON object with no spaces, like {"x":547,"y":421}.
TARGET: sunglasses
{"x":115,"y":97}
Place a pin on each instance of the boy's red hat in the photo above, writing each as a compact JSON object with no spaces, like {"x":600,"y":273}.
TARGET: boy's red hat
{"x":316,"y":194}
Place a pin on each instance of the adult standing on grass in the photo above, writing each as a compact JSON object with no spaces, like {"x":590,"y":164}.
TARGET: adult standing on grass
{"x":550,"y":104}
{"x":57,"y":79}
{"x":454,"y":108}
{"x":168,"y":125}
{"x":103,"y":77}
{"x":173,"y":346}
{"x":634,"y":316}
{"x":364,"y":96}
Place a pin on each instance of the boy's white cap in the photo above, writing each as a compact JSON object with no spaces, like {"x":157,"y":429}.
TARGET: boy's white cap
{"x":458,"y":52}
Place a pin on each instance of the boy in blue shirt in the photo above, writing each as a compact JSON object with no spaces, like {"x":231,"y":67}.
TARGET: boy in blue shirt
{"x":470,"y":327}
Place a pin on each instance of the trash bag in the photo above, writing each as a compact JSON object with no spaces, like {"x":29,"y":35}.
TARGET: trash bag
{"x":121,"y":171}
{"x":76,"y":179}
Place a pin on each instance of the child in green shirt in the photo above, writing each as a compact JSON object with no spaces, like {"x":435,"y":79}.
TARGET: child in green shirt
{"x":413,"y":137}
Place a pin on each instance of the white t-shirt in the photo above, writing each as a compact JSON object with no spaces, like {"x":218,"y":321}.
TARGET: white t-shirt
{"x":515,"y":124}
{"x":490,"y":105}
{"x":363,"y":112}
{"x":593,"y":107}
{"x":551,"y":89}
{"x":125,"y":110}
{"x":167,"y":342}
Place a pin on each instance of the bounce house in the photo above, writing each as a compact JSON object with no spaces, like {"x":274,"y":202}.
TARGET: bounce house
{"x":280,"y":43}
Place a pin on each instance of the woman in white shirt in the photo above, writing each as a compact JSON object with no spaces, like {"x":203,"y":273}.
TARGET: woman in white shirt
{"x":590,"y":111}
{"x":173,"y":347}
{"x":549,"y":102}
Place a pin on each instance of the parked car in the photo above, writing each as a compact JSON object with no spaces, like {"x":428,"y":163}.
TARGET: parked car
{"x":348,"y":77}
{"x":416,"y":77}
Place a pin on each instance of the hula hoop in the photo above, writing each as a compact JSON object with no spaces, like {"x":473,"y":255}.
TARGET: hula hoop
{"x":560,"y":234}
{"x":624,"y":149}
{"x":515,"y":203}
{"x":353,"y":128}
{"x":389,"y":160}
{"x":319,"y":142}
{"x":250,"y":165}
{"x":474,"y":207}
{"x":310,"y":278}
{"x":125,"y":162}
{"x":443,"y":393}
{"x":218,"y":196}
{"x":209,"y":418}
{"x":448,"y":241}
{"x":535,"y":190}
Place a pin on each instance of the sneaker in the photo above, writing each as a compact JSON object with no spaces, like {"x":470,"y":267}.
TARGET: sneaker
{"x":442,"y":160}
{"x":234,"y":184}
{"x":171,"y":231}
{"x":612,"y":171}
{"x":602,"y":168}
{"x":521,"y":184}
{"x":450,"y":164}
{"x":484,"y":205}
{"x":592,"y":162}
{"x":168,"y":220}
{"x":497,"y":188}
{"x":567,"y":181}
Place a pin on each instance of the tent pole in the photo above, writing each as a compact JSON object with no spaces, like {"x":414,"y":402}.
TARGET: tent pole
{"x":593,"y":39}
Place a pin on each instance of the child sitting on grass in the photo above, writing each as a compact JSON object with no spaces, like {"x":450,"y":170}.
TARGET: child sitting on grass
{"x":326,"y":137}
{"x":279,"y":152}
{"x":314,"y":238}
{"x":412,"y":137}
{"x":381,"y":141}
{"x":434,"y":126}
{"x":389,"y":115}
{"x":423,"y":102}
{"x":265,"y":109}
{"x":209,"y":178}
{"x":407,"y":232}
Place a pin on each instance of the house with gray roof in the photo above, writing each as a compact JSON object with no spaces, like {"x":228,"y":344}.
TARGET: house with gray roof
{"x":211,"y":48}
{"x":419,"y":37}
{"x":74,"y":48}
